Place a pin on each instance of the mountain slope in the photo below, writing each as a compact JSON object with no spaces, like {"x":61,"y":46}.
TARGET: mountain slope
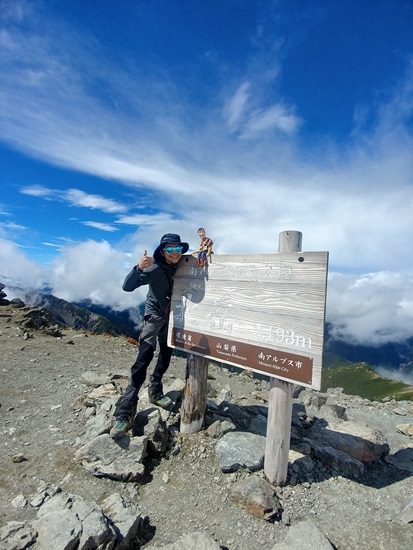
{"x":360,"y":379}
{"x":70,"y":315}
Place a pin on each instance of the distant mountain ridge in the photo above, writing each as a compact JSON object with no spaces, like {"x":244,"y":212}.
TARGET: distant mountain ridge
{"x":127,"y":322}
{"x":71,"y":315}
{"x":392,"y":360}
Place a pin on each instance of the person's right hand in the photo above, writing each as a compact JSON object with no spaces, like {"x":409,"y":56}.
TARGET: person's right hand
{"x":145,"y":261}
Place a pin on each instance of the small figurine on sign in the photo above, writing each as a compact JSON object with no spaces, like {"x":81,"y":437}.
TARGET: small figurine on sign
{"x":205,"y":248}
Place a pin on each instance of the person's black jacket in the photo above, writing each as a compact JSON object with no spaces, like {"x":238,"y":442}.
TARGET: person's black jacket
{"x":159,"y":277}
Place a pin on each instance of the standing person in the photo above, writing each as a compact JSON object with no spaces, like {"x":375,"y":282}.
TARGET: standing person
{"x":157,"y":272}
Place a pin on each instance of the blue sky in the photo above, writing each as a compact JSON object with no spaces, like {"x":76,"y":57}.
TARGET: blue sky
{"x":121,"y":121}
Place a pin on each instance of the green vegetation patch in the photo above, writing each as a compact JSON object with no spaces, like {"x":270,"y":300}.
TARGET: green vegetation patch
{"x":360,"y":379}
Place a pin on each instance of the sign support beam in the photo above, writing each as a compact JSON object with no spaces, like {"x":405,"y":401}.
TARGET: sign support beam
{"x":277,"y":442}
{"x":195,"y":392}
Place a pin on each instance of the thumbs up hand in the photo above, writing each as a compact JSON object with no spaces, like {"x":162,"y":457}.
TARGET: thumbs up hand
{"x":145,"y":261}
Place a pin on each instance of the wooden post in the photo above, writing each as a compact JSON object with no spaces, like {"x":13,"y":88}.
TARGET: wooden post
{"x":194,"y":399}
{"x":280,"y":407}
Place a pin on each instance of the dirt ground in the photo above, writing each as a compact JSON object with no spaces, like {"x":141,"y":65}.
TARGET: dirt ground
{"x":40,"y":431}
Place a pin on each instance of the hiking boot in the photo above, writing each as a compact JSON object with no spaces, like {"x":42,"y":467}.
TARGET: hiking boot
{"x":120,"y":428}
{"x":162,"y":401}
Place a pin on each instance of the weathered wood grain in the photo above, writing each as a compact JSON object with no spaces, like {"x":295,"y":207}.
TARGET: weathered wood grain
{"x":272,"y":300}
{"x":194,"y":396}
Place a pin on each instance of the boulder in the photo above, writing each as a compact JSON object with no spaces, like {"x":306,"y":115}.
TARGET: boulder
{"x":103,"y":457}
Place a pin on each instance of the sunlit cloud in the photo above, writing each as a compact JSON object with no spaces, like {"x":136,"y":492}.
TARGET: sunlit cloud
{"x":76,"y":197}
{"x":73,"y":272}
{"x":101,"y":226}
{"x":374,"y":308}
{"x":12,"y":226}
{"x":145,"y":219}
{"x":17,"y":268}
{"x":38,"y":191}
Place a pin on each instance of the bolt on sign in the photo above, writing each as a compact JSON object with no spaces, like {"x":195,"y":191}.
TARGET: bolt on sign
{"x":261,"y":312}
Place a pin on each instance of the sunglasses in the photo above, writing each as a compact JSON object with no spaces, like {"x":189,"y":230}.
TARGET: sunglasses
{"x":172,"y":249}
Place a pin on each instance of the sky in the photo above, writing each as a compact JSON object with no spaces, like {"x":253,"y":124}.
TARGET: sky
{"x":122,"y":121}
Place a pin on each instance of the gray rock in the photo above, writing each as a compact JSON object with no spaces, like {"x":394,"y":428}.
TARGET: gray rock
{"x":406,"y":429}
{"x":46,"y":491}
{"x":94,"y":379}
{"x":67,"y":521}
{"x":237,"y":414}
{"x":64,"y":508}
{"x":407,"y":513}
{"x":257,"y":497}
{"x":191,"y":541}
{"x":122,"y":461}
{"x":60,"y":529}
{"x":101,"y":393}
{"x":19,"y":502}
{"x":19,"y":457}
{"x":332,"y":411}
{"x":129,"y":524}
{"x":357,"y":440}
{"x":306,"y":535}
{"x":340,"y":461}
{"x":240,"y":450}
{"x":220,"y":428}
{"x":150,"y":423}
{"x":16,"y":535}
{"x":224,"y":395}
{"x":258,"y":425}
{"x":402,"y":459}
{"x":301,"y":464}
{"x":98,"y":425}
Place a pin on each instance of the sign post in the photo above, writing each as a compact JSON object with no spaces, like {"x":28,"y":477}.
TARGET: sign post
{"x":260,"y":312}
{"x":195,"y":393}
{"x":280,"y":406}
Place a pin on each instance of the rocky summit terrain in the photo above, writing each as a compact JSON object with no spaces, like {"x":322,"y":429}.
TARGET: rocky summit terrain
{"x":65,"y":484}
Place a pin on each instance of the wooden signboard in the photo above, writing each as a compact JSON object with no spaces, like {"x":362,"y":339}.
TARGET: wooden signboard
{"x":262,"y":312}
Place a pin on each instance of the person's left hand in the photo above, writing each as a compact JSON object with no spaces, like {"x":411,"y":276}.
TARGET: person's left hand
{"x":145,"y":261}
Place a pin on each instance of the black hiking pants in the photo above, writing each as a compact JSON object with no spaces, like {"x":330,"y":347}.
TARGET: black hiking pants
{"x":154,"y":330}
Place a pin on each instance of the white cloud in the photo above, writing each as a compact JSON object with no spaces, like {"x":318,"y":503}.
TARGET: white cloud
{"x":38,"y":191}
{"x":146,"y":219}
{"x":17,"y":269}
{"x":236,"y":105}
{"x":101,"y":226}
{"x":12,"y":226}
{"x":371,"y":309}
{"x":93,"y":270}
{"x":76,"y":197}
{"x":275,"y":117}
{"x":244,"y":117}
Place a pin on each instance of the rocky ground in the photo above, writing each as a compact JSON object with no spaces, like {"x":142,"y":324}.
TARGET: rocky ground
{"x":185,"y":490}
